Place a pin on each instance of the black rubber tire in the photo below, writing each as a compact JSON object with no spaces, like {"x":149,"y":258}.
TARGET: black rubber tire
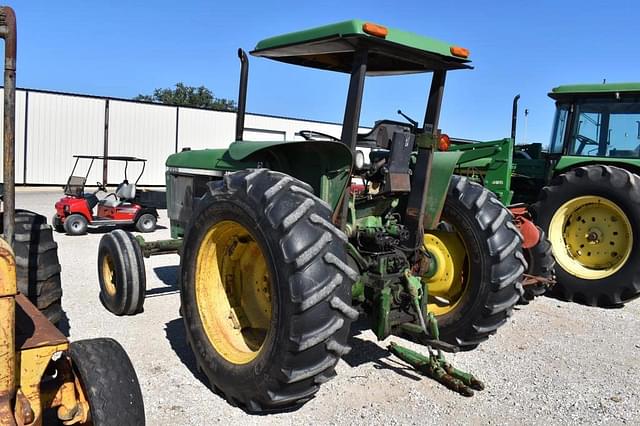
{"x":311,"y":289}
{"x":130,"y":276}
{"x":494,"y":247}
{"x":146,"y":223}
{"x":110,"y":382}
{"x":76,"y":224}
{"x":56,"y":223}
{"x":541,"y":264}
{"x":37,"y":264}
{"x":622,"y":188}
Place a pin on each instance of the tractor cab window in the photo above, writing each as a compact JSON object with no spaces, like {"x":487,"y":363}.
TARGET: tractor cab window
{"x":606,"y":128}
{"x":559,"y":127}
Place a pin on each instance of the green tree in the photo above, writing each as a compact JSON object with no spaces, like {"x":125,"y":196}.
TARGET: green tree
{"x":200,"y":97}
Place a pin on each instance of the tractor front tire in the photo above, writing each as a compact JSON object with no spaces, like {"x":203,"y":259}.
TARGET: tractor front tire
{"x":591,"y":216}
{"x":487,"y":265}
{"x":109,"y":382}
{"x":265,"y":290}
{"x":37,"y":264}
{"x":76,"y":224}
{"x":121,"y":273}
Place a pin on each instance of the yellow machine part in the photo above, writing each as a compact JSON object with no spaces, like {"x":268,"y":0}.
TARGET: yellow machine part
{"x":591,"y":237}
{"x":233,"y":292}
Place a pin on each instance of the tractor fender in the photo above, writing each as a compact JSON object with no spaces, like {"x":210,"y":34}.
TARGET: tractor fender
{"x":563,"y":167}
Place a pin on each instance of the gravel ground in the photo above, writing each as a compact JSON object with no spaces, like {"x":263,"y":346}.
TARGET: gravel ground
{"x":552,"y":363}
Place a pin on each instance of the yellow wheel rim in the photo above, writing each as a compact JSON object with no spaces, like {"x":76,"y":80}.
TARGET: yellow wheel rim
{"x":591,"y":237}
{"x":109,"y":275}
{"x":447,"y":286}
{"x":233,"y":291}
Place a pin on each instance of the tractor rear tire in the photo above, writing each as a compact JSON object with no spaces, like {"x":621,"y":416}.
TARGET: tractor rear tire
{"x":541,"y":264}
{"x":76,"y":224}
{"x":146,"y":223}
{"x":605,"y":201}
{"x":37,"y":264}
{"x":109,"y":381}
{"x":492,"y":268}
{"x":293,"y":260}
{"x":121,"y":273}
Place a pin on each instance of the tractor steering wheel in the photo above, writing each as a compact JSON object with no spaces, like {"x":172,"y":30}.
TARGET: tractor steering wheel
{"x":312,"y":135}
{"x":586,"y":140}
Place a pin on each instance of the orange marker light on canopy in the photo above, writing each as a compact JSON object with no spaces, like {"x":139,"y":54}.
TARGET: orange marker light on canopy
{"x":459,"y":51}
{"x":375,"y":30}
{"x":444,"y":143}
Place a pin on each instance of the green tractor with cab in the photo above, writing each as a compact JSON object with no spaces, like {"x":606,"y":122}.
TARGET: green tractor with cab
{"x":583,"y":193}
{"x":280,"y":250}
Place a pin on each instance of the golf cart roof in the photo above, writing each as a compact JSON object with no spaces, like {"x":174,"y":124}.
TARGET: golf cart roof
{"x":571,"y":90}
{"x":391,"y":51}
{"x":109,"y":157}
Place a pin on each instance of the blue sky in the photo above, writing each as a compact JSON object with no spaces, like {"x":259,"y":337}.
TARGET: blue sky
{"x":122,"y":48}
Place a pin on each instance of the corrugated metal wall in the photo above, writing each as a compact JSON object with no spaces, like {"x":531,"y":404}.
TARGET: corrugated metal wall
{"x":52,"y":127}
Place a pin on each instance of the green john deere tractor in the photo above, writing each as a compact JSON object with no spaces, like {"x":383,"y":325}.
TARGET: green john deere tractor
{"x":283,"y":244}
{"x":584,"y":193}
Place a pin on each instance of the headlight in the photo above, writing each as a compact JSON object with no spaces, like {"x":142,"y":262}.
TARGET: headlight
{"x":359,"y":160}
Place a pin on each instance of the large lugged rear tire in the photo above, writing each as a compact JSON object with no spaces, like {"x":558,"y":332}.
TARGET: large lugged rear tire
{"x":121,"y":273}
{"x":109,"y":381}
{"x":485,"y":250}
{"x":37,"y":264}
{"x":591,"y":216}
{"x":265,"y":290}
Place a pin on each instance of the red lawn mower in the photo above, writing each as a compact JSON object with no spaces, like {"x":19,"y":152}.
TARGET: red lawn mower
{"x":125,"y":206}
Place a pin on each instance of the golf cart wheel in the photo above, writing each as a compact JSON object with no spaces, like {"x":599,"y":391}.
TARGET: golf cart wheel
{"x":121,"y":273}
{"x":37,"y":264}
{"x":541,"y":264}
{"x":265,"y":290}
{"x":76,"y":224}
{"x":478,"y":253}
{"x":592,"y":217}
{"x":146,"y":222}
{"x":56,"y":223}
{"x":109,"y":382}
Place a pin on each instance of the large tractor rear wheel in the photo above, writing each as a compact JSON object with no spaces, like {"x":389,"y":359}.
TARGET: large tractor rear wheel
{"x":592,"y":217}
{"x":265,"y":290}
{"x":37,"y":264}
{"x":478,"y":253}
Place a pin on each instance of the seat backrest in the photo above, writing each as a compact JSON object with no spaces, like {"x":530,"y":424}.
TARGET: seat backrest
{"x":126,"y":191}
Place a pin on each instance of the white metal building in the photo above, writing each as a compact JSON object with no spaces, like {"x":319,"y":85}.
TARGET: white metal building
{"x":51,"y":127}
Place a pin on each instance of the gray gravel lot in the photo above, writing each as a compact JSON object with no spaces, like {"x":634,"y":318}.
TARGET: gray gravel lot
{"x":552,"y":363}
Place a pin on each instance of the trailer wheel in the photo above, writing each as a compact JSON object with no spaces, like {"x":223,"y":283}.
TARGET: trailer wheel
{"x":37,"y":264}
{"x":76,"y":224}
{"x":109,"y":381}
{"x":265,"y":290}
{"x":480,"y":264}
{"x":56,"y":223}
{"x":541,"y":264}
{"x":146,"y":223}
{"x":592,"y":217}
{"x":121,"y":273}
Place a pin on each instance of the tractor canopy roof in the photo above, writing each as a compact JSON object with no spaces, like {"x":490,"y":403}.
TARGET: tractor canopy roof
{"x":391,"y":51}
{"x":573,"y":90}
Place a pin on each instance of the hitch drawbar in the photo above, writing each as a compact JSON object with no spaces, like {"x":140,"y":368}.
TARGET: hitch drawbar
{"x":436,"y":367}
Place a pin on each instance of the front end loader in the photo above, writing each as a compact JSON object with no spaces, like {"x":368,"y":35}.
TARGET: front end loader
{"x":281,"y":250}
{"x":45,"y":379}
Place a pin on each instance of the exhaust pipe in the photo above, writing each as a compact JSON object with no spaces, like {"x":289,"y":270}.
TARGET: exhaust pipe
{"x":514,"y":118}
{"x":242,"y":95}
{"x":8,"y":33}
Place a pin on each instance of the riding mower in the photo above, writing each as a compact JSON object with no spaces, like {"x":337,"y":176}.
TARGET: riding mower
{"x":126,"y":206}
{"x":45,"y":379}
{"x":278,"y":256}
